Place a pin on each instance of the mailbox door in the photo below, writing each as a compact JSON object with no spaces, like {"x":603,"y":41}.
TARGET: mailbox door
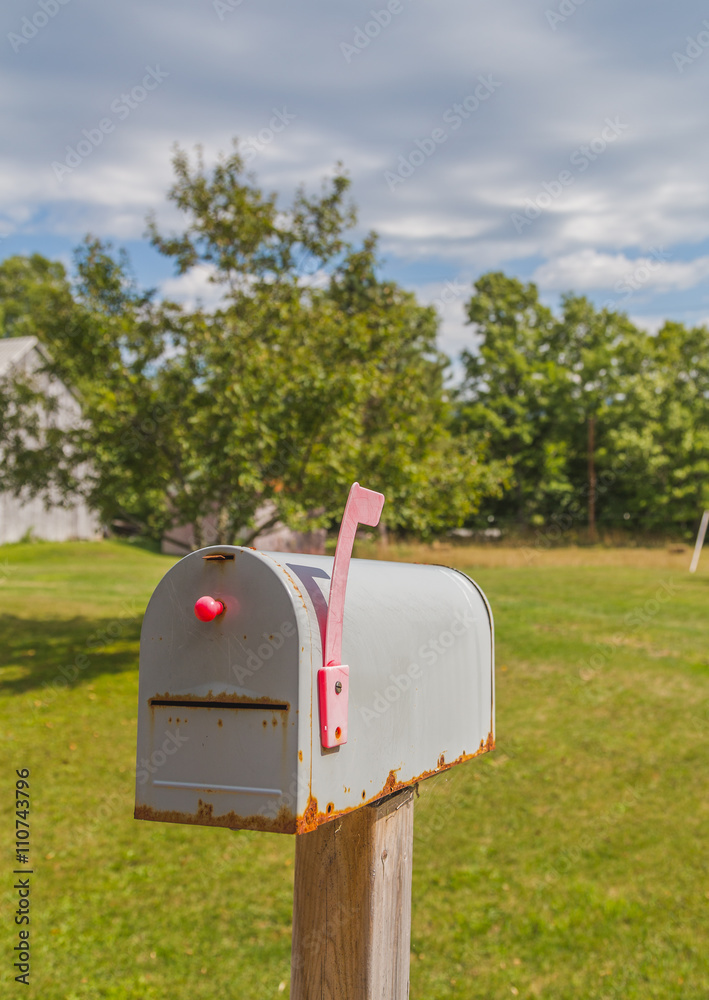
{"x":219,"y":705}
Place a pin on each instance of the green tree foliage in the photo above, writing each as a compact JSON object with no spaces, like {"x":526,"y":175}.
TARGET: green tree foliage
{"x":660,"y":434}
{"x":535,"y":381}
{"x":284,"y":394}
{"x":505,"y":393}
{"x":35,"y":295}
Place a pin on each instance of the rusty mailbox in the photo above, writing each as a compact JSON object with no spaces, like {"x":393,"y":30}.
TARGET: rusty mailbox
{"x":272,"y":698}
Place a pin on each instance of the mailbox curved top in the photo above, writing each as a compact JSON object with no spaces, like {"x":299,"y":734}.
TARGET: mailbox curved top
{"x":228,"y":730}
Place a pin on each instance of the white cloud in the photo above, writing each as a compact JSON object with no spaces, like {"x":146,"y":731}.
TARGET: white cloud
{"x":194,"y":289}
{"x":449,"y":299}
{"x":589,"y":270}
{"x":557,"y":88}
{"x":651,"y":324}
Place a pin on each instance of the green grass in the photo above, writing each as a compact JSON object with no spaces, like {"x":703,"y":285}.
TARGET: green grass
{"x":571,"y":863}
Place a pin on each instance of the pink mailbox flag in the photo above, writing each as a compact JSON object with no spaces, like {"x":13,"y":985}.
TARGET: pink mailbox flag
{"x":362,"y":507}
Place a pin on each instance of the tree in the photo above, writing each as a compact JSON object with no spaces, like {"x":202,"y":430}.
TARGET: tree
{"x":101,"y":338}
{"x":595,"y":354}
{"x":282,"y":396}
{"x":35,"y":296}
{"x":660,"y":434}
{"x":507,"y":391}
{"x":548,"y":392}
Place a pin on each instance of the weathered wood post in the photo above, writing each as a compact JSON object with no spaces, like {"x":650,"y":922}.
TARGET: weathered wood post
{"x":352,"y":905}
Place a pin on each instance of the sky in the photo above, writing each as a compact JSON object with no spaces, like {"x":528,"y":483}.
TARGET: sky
{"x":564,"y":142}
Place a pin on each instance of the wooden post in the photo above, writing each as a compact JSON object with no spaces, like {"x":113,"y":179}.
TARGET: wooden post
{"x":352,"y":905}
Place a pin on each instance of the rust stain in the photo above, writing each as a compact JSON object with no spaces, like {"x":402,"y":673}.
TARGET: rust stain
{"x":295,"y":586}
{"x":441,"y":760}
{"x":219,"y":722}
{"x":284,"y":822}
{"x":391,"y":784}
{"x":309,"y":820}
{"x":265,"y":724}
{"x":241,"y":699}
{"x":300,"y":756}
{"x":312,"y":819}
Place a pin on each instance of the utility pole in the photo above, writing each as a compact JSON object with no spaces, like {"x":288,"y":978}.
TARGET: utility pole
{"x":592,"y":478}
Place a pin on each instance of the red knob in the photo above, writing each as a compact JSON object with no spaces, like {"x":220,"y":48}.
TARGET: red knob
{"x":207,"y":609}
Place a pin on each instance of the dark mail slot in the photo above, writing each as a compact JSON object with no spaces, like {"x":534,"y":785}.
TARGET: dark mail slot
{"x":192,"y":703}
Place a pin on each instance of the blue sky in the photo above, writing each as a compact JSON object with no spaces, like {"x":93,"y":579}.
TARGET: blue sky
{"x":563,"y":142}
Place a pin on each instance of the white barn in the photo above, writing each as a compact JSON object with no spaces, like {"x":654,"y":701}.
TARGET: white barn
{"x":20,"y":516}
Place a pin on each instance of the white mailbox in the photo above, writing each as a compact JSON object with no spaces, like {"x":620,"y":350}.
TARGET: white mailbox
{"x":248,"y":720}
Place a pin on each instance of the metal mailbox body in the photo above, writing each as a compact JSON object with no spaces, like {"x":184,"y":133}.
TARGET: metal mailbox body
{"x":228,"y":731}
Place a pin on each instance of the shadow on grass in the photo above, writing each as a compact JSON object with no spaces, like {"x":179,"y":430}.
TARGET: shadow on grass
{"x":62,"y":652}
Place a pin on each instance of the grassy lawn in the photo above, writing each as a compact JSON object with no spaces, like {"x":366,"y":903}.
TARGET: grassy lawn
{"x":571,"y":863}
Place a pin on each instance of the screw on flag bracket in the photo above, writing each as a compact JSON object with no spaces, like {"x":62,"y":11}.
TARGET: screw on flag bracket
{"x":362,"y":507}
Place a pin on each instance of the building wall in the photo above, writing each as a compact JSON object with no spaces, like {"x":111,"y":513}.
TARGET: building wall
{"x":180,"y":539}
{"x":58,"y":524}
{"x":18,"y":516}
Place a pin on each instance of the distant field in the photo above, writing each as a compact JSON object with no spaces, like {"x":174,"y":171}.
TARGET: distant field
{"x":672,"y":556}
{"x":571,"y":864}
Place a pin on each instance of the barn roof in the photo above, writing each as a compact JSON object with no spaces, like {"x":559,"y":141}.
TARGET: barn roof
{"x":13,"y":349}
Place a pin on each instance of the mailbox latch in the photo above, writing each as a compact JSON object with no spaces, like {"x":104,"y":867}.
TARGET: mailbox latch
{"x":333,"y":692}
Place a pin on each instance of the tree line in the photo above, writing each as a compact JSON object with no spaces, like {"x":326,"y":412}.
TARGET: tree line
{"x":315,"y":370}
